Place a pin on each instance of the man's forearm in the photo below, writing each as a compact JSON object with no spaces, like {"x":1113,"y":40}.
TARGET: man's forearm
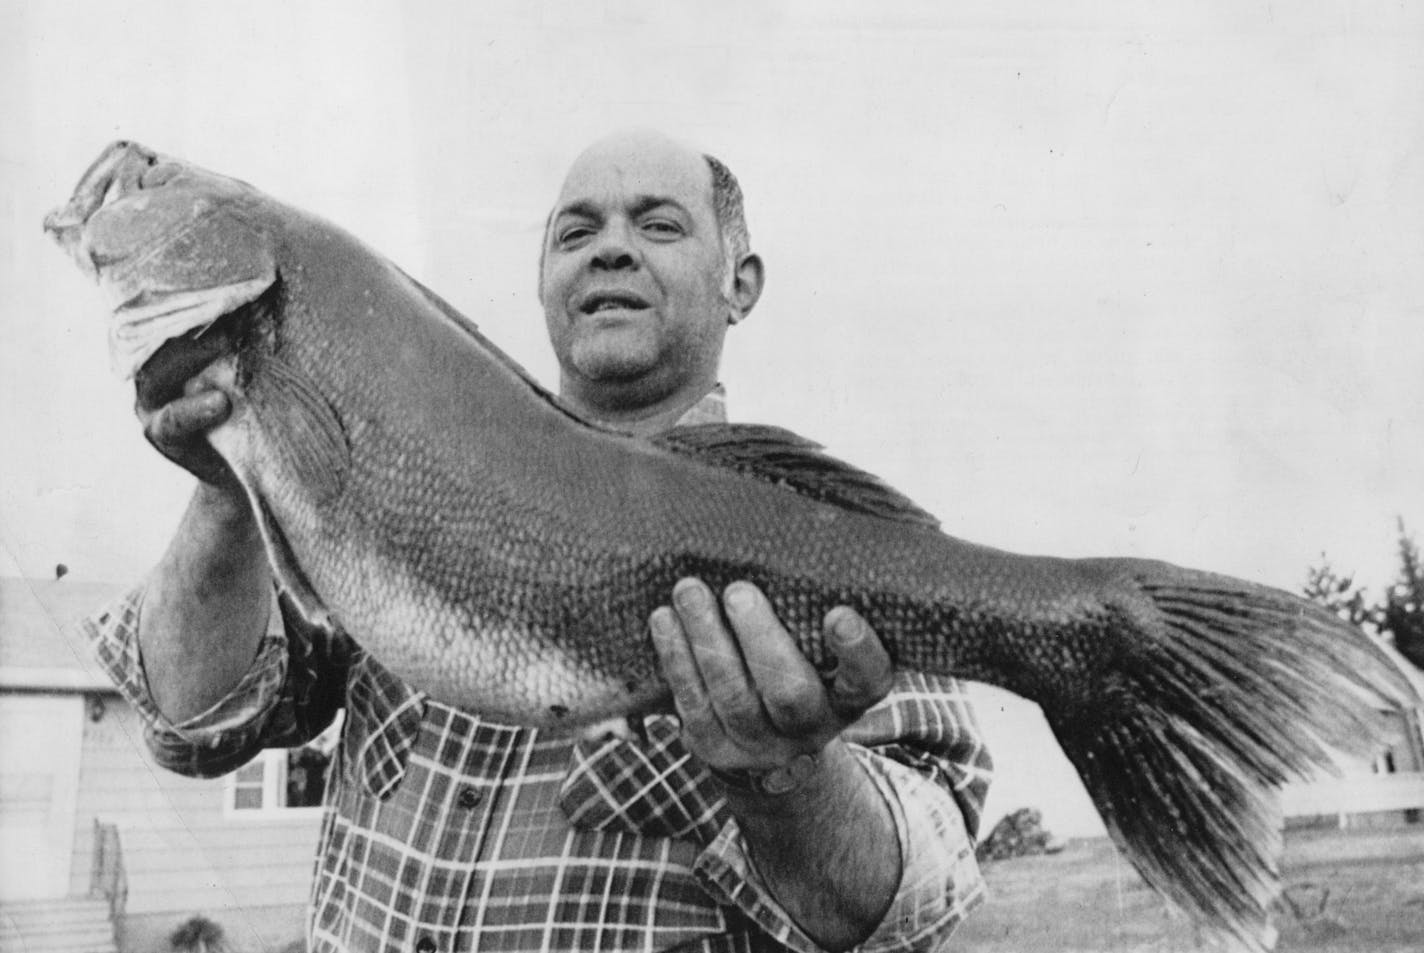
{"x":828,"y":850}
{"x":206,"y":605}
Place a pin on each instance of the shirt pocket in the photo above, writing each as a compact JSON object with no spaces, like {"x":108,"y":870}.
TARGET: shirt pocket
{"x":655,"y":790}
{"x":383,"y":717}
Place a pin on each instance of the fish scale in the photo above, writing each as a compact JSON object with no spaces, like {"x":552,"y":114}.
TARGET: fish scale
{"x":417,"y":489}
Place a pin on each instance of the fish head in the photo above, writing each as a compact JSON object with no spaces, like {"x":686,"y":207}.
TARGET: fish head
{"x":173,"y":247}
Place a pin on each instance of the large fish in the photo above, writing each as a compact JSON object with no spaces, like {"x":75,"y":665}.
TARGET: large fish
{"x":417,"y":488}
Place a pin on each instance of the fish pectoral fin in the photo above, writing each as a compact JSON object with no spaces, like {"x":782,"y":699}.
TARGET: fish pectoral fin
{"x":779,"y":456}
{"x":305,"y":431}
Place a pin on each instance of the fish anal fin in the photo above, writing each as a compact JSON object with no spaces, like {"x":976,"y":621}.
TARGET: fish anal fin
{"x":779,"y":456}
{"x":305,"y":431}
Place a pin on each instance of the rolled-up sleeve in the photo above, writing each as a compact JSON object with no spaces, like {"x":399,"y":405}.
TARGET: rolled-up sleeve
{"x":921,"y":747}
{"x":940,"y":881}
{"x":272,"y":705}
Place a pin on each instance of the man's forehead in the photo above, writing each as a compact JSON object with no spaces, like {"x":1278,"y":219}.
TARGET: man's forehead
{"x":636,"y":168}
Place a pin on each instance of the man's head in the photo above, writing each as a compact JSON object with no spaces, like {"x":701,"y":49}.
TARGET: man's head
{"x":645,"y":265}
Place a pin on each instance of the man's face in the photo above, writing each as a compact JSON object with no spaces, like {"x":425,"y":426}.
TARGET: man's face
{"x":632,"y":281}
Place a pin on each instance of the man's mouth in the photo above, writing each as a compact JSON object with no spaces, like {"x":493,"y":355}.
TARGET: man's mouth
{"x":611,"y":301}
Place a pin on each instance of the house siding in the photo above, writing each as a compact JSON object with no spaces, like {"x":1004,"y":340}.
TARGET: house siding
{"x":182,"y":855}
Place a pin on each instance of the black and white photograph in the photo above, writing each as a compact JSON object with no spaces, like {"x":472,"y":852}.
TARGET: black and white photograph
{"x":632,"y":476}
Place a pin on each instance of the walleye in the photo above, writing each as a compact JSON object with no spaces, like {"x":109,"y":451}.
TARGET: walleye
{"x":416,"y":488}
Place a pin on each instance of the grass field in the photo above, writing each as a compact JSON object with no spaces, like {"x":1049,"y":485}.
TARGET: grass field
{"x":1346,"y":892}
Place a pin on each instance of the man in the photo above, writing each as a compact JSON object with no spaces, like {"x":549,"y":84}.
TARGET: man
{"x":759,"y":818}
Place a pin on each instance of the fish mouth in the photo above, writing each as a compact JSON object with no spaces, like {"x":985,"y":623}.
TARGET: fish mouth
{"x":128,"y":199}
{"x":121,"y":169}
{"x":592,"y":302}
{"x":168,"y":247}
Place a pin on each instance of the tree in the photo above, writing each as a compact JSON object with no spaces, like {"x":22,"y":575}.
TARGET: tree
{"x":198,"y":935}
{"x":1398,"y":617}
{"x":1402,"y":614}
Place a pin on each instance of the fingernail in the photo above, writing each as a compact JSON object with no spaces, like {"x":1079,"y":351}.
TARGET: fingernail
{"x":661,"y":622}
{"x":689,"y":594}
{"x":211,"y":403}
{"x":844,"y":627}
{"x":740,"y":597}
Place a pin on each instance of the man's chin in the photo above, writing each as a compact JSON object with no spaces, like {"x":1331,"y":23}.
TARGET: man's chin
{"x":611,"y":361}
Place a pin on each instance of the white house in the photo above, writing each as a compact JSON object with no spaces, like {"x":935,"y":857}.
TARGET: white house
{"x":103,"y":850}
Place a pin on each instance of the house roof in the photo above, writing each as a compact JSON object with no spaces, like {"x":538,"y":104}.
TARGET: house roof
{"x":1411,"y":674}
{"x":41,"y":647}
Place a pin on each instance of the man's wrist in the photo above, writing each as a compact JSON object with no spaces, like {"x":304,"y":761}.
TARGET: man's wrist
{"x":769,"y":782}
{"x":826,"y":853}
{"x":827,"y":775}
{"x":224,"y":503}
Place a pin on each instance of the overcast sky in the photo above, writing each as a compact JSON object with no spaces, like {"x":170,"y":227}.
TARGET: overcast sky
{"x":1083,"y":278}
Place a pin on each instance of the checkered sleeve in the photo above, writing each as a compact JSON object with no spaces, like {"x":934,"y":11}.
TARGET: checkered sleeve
{"x":921,"y":746}
{"x":282,"y":700}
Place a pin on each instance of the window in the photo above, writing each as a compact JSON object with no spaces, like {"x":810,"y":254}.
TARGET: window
{"x":287,"y":782}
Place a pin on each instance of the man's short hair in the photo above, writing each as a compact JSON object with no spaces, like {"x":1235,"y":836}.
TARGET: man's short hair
{"x":731,"y":213}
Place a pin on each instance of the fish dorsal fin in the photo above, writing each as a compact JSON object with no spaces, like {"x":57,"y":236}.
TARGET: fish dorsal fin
{"x":779,"y":456}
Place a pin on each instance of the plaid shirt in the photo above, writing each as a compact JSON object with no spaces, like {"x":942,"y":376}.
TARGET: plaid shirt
{"x":445,"y":831}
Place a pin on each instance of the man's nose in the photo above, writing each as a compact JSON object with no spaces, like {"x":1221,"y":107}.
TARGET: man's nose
{"x":614,"y":249}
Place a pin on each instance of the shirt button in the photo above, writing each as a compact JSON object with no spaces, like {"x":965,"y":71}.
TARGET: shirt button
{"x":469,"y":797}
{"x":425,"y":945}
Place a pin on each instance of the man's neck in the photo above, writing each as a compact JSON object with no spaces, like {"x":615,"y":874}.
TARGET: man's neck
{"x":641,"y":419}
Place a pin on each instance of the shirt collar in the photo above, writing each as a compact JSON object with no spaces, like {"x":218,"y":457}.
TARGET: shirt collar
{"x":711,"y":409}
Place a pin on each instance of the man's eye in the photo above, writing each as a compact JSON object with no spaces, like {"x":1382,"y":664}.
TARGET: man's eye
{"x":574,"y":234}
{"x":662,"y":227}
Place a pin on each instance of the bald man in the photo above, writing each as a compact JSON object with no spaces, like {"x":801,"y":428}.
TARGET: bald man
{"x":776,"y":810}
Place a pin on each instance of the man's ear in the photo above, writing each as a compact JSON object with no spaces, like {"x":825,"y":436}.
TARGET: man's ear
{"x":747,"y":280}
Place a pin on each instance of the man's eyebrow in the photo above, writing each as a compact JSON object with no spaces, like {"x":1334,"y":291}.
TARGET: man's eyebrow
{"x":640,"y":205}
{"x":581,"y":208}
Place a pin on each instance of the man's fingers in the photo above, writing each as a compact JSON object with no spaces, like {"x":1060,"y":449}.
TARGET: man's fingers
{"x":730,"y":688}
{"x":864,"y":673}
{"x":679,"y":667}
{"x":177,"y":431}
{"x":791,"y":694}
{"x":186,"y":419}
{"x":741,"y":683}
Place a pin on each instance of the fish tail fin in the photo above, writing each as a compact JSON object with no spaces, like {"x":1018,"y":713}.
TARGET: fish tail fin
{"x":1232,"y":690}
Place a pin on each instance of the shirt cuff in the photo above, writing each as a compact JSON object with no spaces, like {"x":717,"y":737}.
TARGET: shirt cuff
{"x":213,"y":742}
{"x":940,"y":880}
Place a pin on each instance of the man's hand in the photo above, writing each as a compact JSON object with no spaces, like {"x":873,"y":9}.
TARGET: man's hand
{"x":747,"y":697}
{"x":206,"y":604}
{"x":178,"y":430}
{"x":750,"y":701}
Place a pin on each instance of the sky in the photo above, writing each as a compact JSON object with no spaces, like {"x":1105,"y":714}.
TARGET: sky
{"x":1082,"y":278}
